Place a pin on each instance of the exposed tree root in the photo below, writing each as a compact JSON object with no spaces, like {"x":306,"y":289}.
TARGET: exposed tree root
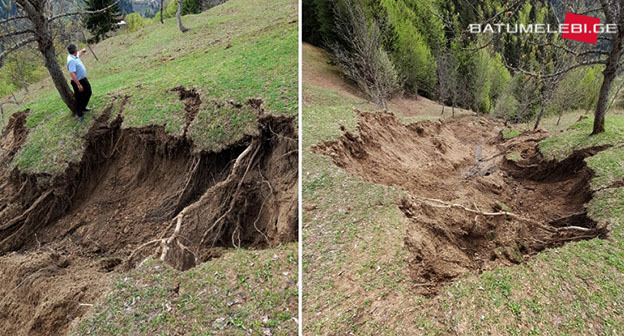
{"x":233,"y":175}
{"x":559,"y":230}
{"x":171,"y":249}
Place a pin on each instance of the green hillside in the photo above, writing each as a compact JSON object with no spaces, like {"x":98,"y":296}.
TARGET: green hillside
{"x":232,"y":52}
{"x":241,"y":50}
{"x":357,"y":270}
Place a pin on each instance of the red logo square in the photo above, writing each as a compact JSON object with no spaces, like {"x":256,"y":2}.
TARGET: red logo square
{"x":580,"y":28}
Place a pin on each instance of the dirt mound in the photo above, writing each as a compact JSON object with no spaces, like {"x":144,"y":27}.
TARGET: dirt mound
{"x":135,"y":193}
{"x":471,"y":208}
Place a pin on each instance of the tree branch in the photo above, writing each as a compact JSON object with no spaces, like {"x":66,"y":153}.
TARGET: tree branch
{"x":16,"y":33}
{"x":607,"y":12}
{"x":589,"y":11}
{"x":481,"y":46}
{"x":18,"y":45}
{"x":84,"y":12}
{"x":555,"y":74}
{"x":15,"y":18}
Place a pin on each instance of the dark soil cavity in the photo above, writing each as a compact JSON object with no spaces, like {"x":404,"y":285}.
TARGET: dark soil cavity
{"x":469,"y":207}
{"x":135,"y":193}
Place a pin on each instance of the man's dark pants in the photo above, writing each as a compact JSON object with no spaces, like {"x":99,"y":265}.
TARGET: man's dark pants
{"x":82,"y":98}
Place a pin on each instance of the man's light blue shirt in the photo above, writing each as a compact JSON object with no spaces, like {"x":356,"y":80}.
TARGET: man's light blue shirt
{"x":74,"y":64}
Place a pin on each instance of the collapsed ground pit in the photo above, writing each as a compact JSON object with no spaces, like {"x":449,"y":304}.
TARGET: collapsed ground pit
{"x":135,"y":193}
{"x":470,"y":208}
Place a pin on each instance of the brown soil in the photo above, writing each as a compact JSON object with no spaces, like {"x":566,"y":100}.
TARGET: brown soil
{"x":470,"y":208}
{"x":192,"y":103}
{"x":135,"y":193}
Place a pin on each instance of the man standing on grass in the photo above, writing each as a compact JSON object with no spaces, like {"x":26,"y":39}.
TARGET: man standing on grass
{"x":79,"y":81}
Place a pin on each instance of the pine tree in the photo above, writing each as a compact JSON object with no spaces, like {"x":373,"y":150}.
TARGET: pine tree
{"x":100,"y":24}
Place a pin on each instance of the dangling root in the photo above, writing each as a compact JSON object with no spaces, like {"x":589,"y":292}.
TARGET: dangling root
{"x":167,"y":244}
{"x":233,"y":174}
{"x":25,"y":214}
{"x":442,"y":204}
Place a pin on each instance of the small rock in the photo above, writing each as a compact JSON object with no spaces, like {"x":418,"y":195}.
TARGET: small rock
{"x":219,"y":323}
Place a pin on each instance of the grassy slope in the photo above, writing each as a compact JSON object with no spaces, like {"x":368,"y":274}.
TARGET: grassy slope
{"x":243,"y":49}
{"x":243,"y":291}
{"x":240,"y":293}
{"x":355,"y":270}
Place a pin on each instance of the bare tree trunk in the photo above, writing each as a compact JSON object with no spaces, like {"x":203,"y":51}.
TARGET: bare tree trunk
{"x":559,"y":118}
{"x":161,"y":11}
{"x":609,"y":75}
{"x":617,"y":92}
{"x":539,"y":117}
{"x":546,"y":97}
{"x":58,"y":78}
{"x":453,"y":103}
{"x":45,"y":44}
{"x":601,"y":107}
{"x":179,"y":17}
{"x":442,"y":109}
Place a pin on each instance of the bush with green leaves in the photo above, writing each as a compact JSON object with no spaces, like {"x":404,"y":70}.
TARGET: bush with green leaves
{"x":171,"y":7}
{"x":135,"y":21}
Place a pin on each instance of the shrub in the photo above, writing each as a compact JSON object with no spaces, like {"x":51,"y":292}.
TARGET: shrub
{"x":135,"y":22}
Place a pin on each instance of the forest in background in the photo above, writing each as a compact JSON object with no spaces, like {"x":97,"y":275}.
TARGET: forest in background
{"x":422,"y":47}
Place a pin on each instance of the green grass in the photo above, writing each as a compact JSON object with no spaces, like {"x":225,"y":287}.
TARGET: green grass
{"x":243,"y":292}
{"x":608,"y":167}
{"x":514,"y":156}
{"x":218,"y":125}
{"x":356,"y":264}
{"x":578,"y":136}
{"x":243,"y":49}
{"x":510,"y":133}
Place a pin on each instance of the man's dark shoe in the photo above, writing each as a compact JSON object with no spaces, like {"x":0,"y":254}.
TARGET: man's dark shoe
{"x":80,"y":119}
{"x":87,"y":109}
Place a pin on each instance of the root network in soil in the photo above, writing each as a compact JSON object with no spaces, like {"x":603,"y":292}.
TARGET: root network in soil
{"x":136,"y":192}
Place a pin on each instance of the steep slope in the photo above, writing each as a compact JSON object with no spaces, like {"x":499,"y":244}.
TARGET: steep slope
{"x":404,"y":225}
{"x":190,"y":151}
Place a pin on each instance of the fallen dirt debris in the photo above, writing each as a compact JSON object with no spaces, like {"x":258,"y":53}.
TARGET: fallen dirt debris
{"x":470,"y":207}
{"x":192,"y":103}
{"x":136,"y":193}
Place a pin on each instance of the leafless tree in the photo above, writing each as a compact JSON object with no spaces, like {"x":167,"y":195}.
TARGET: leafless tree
{"x":448,"y":84}
{"x":179,"y":17}
{"x":611,"y":12}
{"x":162,"y":4}
{"x":33,"y":23}
{"x":360,"y":53}
{"x":560,"y":60}
{"x":2,"y":116}
{"x":18,"y":73}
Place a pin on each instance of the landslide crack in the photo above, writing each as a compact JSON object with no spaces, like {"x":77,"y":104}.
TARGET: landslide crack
{"x":467,"y":213}
{"x":192,"y":103}
{"x":136,"y":193}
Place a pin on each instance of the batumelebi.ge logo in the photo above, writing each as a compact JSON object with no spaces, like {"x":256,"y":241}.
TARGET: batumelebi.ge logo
{"x":575,"y":27}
